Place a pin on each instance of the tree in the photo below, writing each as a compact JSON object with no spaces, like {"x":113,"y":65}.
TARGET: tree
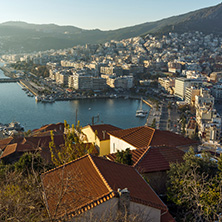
{"x":124,"y":157}
{"x":27,"y":133}
{"x":73,"y":147}
{"x":29,"y":162}
{"x":195,"y":186}
{"x":21,"y":193}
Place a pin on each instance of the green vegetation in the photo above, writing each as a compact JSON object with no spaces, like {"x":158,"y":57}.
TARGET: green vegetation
{"x":21,"y":190}
{"x":124,"y":157}
{"x":31,"y":67}
{"x":195,"y":186}
{"x":23,"y":37}
{"x":72,"y":149}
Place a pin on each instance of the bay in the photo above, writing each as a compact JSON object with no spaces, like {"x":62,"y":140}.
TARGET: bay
{"x":15,"y":105}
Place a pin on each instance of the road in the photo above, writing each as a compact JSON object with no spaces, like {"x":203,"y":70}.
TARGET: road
{"x":169,"y":118}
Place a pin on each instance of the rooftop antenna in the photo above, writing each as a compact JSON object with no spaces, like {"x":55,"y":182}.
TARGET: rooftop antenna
{"x":95,"y":118}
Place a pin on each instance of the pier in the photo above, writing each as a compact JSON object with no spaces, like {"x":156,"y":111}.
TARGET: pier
{"x":8,"y":80}
{"x":148,"y":103}
{"x":26,"y":84}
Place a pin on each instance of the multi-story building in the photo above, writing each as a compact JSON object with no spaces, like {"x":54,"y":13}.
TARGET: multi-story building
{"x":174,"y":67}
{"x":191,"y":128}
{"x":83,"y":81}
{"x":110,"y":70}
{"x":204,"y":104}
{"x":190,"y":94}
{"x":217,"y":91}
{"x":167,"y":83}
{"x":123,"y":82}
{"x":211,"y":130}
{"x":208,"y":120}
{"x":182,"y":83}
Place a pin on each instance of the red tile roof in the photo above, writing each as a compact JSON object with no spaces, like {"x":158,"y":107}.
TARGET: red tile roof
{"x":167,"y":217}
{"x":102,"y":130}
{"x":5,"y":142}
{"x":92,"y":180}
{"x":136,"y":154}
{"x":139,"y":137}
{"x":158,"y":159}
{"x":15,"y":147}
{"x":59,"y":127}
{"x":33,"y":143}
{"x":153,"y":159}
{"x":145,"y":136}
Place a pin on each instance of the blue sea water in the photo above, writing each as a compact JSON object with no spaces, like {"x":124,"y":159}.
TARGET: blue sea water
{"x":15,"y":105}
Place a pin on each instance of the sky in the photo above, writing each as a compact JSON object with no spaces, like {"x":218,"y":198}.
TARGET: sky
{"x":97,"y":14}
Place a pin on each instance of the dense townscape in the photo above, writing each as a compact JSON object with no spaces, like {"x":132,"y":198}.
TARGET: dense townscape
{"x":186,"y":67}
{"x":169,"y":169}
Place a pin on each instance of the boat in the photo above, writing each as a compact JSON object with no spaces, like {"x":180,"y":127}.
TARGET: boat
{"x":48,"y":100}
{"x":140,"y":114}
{"x":38,"y":98}
{"x":140,"y":111}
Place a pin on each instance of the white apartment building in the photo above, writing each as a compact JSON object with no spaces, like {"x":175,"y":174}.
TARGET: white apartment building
{"x":208,"y":120}
{"x":124,"y":82}
{"x":83,"y":81}
{"x":190,"y":94}
{"x":182,"y":83}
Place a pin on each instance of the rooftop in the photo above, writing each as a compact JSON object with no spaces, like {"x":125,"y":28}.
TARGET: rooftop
{"x":153,"y":159}
{"x":144,"y":136}
{"x":91,"y":180}
{"x":102,"y":130}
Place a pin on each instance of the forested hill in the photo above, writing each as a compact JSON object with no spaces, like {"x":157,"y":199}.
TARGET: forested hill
{"x":25,"y":37}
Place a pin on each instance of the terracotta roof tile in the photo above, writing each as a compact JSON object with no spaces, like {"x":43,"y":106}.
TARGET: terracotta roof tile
{"x":49,"y":127}
{"x":102,"y":130}
{"x":139,"y":137}
{"x":83,"y":182}
{"x":159,"y":159}
{"x":145,"y":136}
{"x":162,"y":137}
{"x":5,"y":142}
{"x":153,"y":159}
{"x":136,"y":154}
{"x":9,"y":150}
{"x":15,"y":147}
{"x":124,"y":176}
{"x":90,"y":178}
{"x":167,"y":217}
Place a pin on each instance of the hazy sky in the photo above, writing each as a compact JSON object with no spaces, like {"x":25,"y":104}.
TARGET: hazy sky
{"x":92,"y":14}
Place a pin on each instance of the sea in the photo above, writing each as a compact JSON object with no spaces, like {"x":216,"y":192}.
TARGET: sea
{"x":15,"y":105}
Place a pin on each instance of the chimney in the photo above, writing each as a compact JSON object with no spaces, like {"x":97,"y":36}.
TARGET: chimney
{"x":104,"y":134}
{"x":124,"y":203}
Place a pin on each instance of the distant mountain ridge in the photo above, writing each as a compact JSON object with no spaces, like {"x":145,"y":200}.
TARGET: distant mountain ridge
{"x":25,"y":37}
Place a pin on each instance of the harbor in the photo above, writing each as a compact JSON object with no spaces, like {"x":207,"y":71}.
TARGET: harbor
{"x":25,"y":93}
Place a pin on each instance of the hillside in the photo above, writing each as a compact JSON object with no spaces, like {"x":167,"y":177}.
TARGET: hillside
{"x":25,"y":37}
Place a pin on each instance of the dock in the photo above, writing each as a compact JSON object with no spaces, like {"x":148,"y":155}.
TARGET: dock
{"x":148,"y":103}
{"x":27,"y":85}
{"x":8,"y":80}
